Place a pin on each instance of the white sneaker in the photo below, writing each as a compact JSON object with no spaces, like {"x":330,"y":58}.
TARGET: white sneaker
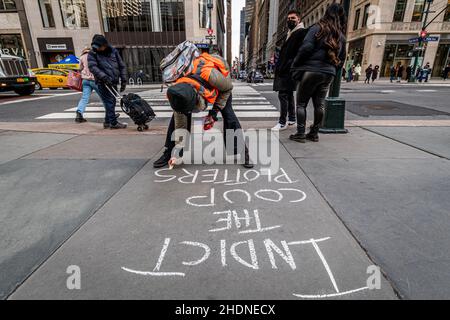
{"x":292,"y":123}
{"x":279,"y":127}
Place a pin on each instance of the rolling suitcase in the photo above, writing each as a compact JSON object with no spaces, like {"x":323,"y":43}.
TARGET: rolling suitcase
{"x":136,"y":108}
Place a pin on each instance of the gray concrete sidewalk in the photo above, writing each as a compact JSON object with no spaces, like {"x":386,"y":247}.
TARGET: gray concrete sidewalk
{"x":378,"y":195}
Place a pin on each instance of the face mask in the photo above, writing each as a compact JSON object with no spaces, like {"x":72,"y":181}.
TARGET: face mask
{"x":291,"y":24}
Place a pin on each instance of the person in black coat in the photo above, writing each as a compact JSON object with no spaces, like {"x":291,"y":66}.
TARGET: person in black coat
{"x":283,"y":83}
{"x":108,"y":68}
{"x":322,"y":53}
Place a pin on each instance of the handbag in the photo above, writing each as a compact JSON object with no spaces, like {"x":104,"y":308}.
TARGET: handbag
{"x":74,"y":81}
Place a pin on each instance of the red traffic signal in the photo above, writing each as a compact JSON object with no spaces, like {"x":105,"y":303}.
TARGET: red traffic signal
{"x":423,"y":34}
{"x":210,"y":32}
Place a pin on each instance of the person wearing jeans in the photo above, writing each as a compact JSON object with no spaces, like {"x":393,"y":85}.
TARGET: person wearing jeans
{"x":88,"y":86}
{"x":315,"y":66}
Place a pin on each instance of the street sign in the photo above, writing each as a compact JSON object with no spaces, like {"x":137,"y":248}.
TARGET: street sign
{"x":210,"y":37}
{"x":202,"y":45}
{"x":431,"y":39}
{"x":414,"y":40}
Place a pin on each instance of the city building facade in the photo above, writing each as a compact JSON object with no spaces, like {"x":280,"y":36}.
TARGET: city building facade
{"x":386,"y":40}
{"x":144,"y":31}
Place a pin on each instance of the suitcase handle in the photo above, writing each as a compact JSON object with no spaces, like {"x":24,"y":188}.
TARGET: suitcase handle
{"x":114,"y":92}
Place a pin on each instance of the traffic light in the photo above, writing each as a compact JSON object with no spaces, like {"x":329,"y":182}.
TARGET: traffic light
{"x":423,"y":34}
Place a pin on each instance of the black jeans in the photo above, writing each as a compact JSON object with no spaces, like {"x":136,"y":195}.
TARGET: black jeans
{"x":287,"y":106}
{"x":230,"y":121}
{"x":315,"y":86}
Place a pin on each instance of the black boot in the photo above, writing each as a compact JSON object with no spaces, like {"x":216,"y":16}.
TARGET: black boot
{"x":79,"y":118}
{"x":298,"y":137}
{"x":248,"y":164}
{"x":163,"y":161}
{"x":313,"y":134}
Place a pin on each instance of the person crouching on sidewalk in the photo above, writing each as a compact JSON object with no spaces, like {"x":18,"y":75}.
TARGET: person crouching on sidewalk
{"x":88,"y":86}
{"x":108,"y":68}
{"x":316,"y":64}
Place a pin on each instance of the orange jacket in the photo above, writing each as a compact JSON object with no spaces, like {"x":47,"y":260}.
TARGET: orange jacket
{"x":203,"y":66}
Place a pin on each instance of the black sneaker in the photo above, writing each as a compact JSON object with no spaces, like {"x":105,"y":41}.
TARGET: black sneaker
{"x":79,"y":118}
{"x":298,"y":137}
{"x":108,"y":125}
{"x":163,"y":161}
{"x":118,"y":125}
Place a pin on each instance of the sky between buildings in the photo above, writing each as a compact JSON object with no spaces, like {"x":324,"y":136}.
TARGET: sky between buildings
{"x":237,"y":6}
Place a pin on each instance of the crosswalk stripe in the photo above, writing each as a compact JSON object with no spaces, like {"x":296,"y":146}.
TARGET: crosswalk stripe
{"x":101,"y":115}
{"x":168,"y":108}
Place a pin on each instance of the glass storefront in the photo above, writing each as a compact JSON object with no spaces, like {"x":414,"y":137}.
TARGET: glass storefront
{"x":442,"y":59}
{"x":12,"y":44}
{"x":144,"y":31}
{"x":397,"y":53}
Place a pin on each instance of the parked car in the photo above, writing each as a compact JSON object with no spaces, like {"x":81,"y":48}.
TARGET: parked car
{"x":15,"y":75}
{"x":255,"y":77}
{"x":51,"y":78}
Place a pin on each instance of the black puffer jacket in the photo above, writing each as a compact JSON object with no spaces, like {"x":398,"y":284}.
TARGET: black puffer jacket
{"x":313,"y":55}
{"x":107,"y":66}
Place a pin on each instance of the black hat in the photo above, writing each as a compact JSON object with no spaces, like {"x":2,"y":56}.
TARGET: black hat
{"x":182,"y":97}
{"x":99,"y":41}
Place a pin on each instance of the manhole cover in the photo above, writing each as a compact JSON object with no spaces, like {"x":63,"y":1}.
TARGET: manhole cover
{"x":390,"y":108}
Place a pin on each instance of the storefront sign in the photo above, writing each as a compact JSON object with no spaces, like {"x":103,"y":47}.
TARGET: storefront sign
{"x":56,"y":46}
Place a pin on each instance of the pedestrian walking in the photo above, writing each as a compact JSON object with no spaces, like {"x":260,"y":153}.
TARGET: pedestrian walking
{"x":426,"y":72}
{"x":375,"y":73}
{"x":408,"y":72}
{"x":446,"y":72}
{"x":358,"y":71}
{"x":283,"y":83}
{"x":350,"y":73}
{"x":392,"y":73}
{"x":88,"y":86}
{"x":400,"y":71}
{"x":369,"y":72}
{"x":108,"y":69}
{"x":322,"y":53}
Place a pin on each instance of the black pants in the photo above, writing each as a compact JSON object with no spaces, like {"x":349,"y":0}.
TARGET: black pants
{"x":230,"y":121}
{"x":287,"y":106}
{"x":315,"y":86}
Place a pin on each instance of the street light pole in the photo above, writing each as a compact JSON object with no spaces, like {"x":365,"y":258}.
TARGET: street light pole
{"x":334,"y":120}
{"x":421,"y":43}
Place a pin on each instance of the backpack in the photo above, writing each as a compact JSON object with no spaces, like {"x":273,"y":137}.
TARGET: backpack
{"x":179,"y":62}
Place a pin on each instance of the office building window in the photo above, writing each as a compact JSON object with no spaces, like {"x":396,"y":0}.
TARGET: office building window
{"x":74,"y":14}
{"x":143,"y":15}
{"x":357,"y":16}
{"x":447,"y":12}
{"x":366,"y":15}
{"x":419,"y":7}
{"x":45,"y":6}
{"x":7,"y":5}
{"x":399,"y":12}
{"x":203,"y":13}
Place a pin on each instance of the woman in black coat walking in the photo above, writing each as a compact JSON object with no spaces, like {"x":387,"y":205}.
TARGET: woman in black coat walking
{"x":315,"y":66}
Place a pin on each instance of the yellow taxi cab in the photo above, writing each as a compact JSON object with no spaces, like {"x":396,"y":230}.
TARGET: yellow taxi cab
{"x":50,"y":78}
